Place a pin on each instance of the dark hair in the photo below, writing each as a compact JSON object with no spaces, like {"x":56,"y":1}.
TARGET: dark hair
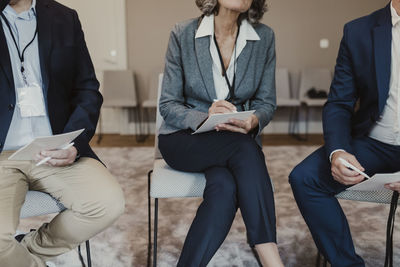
{"x":253,"y":15}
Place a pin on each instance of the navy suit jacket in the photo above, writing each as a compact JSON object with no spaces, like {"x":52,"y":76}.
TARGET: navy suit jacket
{"x":71,"y":89}
{"x":360,"y":86}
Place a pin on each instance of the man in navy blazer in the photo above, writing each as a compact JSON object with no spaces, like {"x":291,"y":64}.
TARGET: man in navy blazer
{"x":48,"y":86}
{"x":361,"y":125}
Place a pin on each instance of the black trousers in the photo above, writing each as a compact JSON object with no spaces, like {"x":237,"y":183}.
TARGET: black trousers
{"x":236,"y":177}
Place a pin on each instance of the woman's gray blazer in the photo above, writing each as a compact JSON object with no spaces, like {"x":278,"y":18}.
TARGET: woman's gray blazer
{"x":188,"y":87}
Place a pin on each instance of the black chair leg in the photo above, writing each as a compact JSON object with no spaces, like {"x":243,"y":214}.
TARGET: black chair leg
{"x":138,"y":125}
{"x":155,"y":232}
{"x":296,"y":127}
{"x":317,"y":263}
{"x":307,"y":121}
{"x":292,"y":121}
{"x":149,"y":218}
{"x":81,"y":257}
{"x":146,"y":115}
{"x":88,"y":256}
{"x":100,"y":136}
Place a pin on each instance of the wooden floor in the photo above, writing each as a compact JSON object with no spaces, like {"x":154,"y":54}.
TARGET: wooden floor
{"x":116,"y":140}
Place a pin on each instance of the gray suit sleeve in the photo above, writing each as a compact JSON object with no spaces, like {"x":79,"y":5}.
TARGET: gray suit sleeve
{"x":264,"y":100}
{"x":172,"y":100}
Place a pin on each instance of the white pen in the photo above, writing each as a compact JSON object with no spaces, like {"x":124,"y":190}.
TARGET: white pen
{"x":350,"y":166}
{"x":43,"y":161}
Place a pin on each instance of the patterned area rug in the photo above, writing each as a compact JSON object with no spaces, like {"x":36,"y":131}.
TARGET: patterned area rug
{"x":125,"y":243}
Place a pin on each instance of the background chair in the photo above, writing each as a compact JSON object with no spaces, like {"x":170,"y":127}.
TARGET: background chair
{"x":285,"y":99}
{"x":321,"y":80}
{"x":151,"y":102}
{"x":379,"y":197}
{"x":119,"y":91}
{"x":165,"y":182}
{"x":38,"y":203}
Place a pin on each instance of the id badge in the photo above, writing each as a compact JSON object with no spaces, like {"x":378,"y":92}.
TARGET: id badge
{"x":31,"y":101}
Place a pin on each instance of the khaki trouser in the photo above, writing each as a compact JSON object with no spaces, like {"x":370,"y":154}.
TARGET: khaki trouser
{"x":93,"y":198}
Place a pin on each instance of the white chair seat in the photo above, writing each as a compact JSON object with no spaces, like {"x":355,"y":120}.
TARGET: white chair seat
{"x":287,"y":102}
{"x":313,"y":102}
{"x":169,"y":183}
{"x":150,"y":103}
{"x":383,"y":197}
{"x":38,"y":203}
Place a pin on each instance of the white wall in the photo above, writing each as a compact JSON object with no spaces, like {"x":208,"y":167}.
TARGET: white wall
{"x":104,"y":24}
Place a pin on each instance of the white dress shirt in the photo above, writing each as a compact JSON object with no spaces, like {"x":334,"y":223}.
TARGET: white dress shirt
{"x":24,"y":129}
{"x":246,"y":33}
{"x":387,"y":128}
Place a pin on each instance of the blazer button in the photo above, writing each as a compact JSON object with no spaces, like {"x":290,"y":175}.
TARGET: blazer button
{"x":11,"y":107}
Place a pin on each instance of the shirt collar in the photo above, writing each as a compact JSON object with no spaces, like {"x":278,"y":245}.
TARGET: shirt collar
{"x":206,"y":28}
{"x":26,"y":15}
{"x":395,"y":16}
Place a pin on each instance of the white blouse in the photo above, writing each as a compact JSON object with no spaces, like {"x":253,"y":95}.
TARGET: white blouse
{"x":246,"y":33}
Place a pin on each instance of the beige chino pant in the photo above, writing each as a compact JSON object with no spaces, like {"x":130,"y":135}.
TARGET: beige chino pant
{"x":92,"y":196}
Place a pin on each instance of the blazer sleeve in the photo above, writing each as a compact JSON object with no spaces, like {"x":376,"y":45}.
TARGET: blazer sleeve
{"x":86,"y":99}
{"x":172,"y":99}
{"x":339,"y":108}
{"x":264,"y":100}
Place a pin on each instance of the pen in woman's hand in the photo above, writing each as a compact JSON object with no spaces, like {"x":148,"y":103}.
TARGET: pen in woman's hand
{"x":219,"y":105}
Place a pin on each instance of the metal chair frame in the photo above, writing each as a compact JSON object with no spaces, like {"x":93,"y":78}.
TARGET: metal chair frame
{"x":87,"y":244}
{"x":155,"y":235}
{"x":390,"y":225}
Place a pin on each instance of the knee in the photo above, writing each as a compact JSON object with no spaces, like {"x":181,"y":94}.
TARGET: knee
{"x":246,"y":152}
{"x":114,"y":204}
{"x":246,"y":145}
{"x":222,"y":192}
{"x":296,"y":177}
{"x":222,"y":186}
{"x":303,"y":178}
{"x":107,"y":206}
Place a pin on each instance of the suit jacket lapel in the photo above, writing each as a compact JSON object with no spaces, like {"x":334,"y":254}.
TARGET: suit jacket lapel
{"x":204,"y":61}
{"x":5,"y":61}
{"x":243,"y":63}
{"x":44,"y":34}
{"x":383,"y":55}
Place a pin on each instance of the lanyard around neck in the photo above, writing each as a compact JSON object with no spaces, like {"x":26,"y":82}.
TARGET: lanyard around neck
{"x":224,"y":71}
{"x":20,"y":55}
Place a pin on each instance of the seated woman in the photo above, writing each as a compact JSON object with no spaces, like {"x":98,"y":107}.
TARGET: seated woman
{"x":222,"y":62}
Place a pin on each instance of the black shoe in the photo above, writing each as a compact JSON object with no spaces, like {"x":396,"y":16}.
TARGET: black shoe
{"x":20,"y":237}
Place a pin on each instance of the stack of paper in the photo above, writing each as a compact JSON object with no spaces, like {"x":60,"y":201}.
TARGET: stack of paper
{"x":377,"y":182}
{"x":214,"y":120}
{"x":29,"y":151}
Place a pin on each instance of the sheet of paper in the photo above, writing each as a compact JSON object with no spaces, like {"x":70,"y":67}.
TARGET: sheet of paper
{"x":377,"y":182}
{"x":214,"y":120}
{"x":29,"y":151}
